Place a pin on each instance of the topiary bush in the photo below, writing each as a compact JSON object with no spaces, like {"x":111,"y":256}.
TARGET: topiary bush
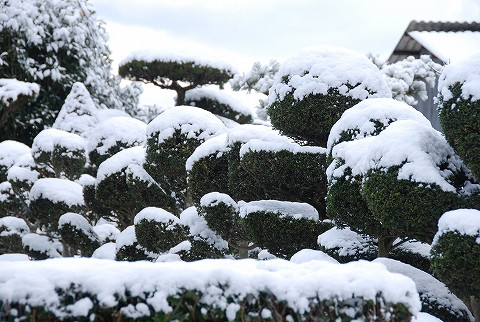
{"x":127,"y":247}
{"x":12,"y":229}
{"x":10,"y":151}
{"x":459,"y":109}
{"x":78,"y":234}
{"x":318,"y":84}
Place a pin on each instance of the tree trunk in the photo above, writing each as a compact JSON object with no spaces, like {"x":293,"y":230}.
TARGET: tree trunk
{"x":385,"y":245}
{"x":180,"y":97}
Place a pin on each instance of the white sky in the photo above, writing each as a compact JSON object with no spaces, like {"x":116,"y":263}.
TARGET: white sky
{"x":242,"y":32}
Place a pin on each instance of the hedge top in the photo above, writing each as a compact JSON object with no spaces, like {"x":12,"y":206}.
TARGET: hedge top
{"x":10,"y":151}
{"x":314,"y":70}
{"x":462,"y":221}
{"x":58,"y":190}
{"x":219,"y":96}
{"x":465,"y":72}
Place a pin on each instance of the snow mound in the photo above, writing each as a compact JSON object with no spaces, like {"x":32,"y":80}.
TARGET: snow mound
{"x":221,"y":97}
{"x":121,"y":160}
{"x":314,"y":70}
{"x":10,"y":151}
{"x":296,"y":210}
{"x":58,"y":190}
{"x":216,"y":144}
{"x":463,"y":221}
{"x":46,"y":140}
{"x":246,"y":132}
{"x":155,"y":214}
{"x":13,"y":225}
{"x":347,"y":241}
{"x":11,"y":89}
{"x":306,"y":255}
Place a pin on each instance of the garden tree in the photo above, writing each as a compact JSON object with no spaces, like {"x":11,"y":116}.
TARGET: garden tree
{"x":220,"y":104}
{"x":175,"y":71}
{"x":171,"y":139}
{"x":55,"y":44}
{"x":455,"y":255}
{"x":389,"y":164}
{"x":10,"y":152}
{"x":315,"y":86}
{"x":12,"y":229}
{"x":13,"y":95}
{"x":408,"y":79}
{"x":459,"y":109}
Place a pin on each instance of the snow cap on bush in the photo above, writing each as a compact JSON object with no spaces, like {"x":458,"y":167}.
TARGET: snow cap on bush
{"x":58,"y":190}
{"x":467,"y":73}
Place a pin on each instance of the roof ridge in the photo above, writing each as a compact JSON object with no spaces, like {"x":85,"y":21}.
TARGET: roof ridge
{"x":442,"y":26}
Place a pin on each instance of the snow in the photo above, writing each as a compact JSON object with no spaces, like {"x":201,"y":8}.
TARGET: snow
{"x":121,"y":160}
{"x":314,"y":70}
{"x":306,"y":255}
{"x":36,"y":282}
{"x":14,"y":258}
{"x":431,"y":288}
{"x":86,"y":180}
{"x":361,"y":117}
{"x":417,"y":247}
{"x":246,"y":132}
{"x":77,"y":113}
{"x":423,"y":147}
{"x":105,"y":114}
{"x":126,"y":237}
{"x":11,"y":89}
{"x":10,"y":151}
{"x":348,"y":242}
{"x":462,"y":221}
{"x":155,"y":214}
{"x":114,"y":130}
{"x":214,"y":198}
{"x":297,"y":210}
{"x":425,"y":317}
{"x":79,"y":222}
{"x":58,"y":190}
{"x":16,"y":173}
{"x":467,"y":73}
{"x":198,"y":60}
{"x":41,"y":244}
{"x":13,"y":225}
{"x":256,"y":145}
{"x":106,"y":251}
{"x":46,"y":140}
{"x":106,"y":231}
{"x":198,"y":227}
{"x":192,"y":121}
{"x":221,"y":97}
{"x":216,"y":144}
{"x":449,"y":47}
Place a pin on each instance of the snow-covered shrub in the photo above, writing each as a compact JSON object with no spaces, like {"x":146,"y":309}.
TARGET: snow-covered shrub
{"x":78,"y":234}
{"x":286,"y":171}
{"x":175,"y":71}
{"x":456,"y":253}
{"x":219,"y":103}
{"x":210,"y":290}
{"x":282,"y":227}
{"x":127,"y":247}
{"x":12,"y":229}
{"x":378,"y":182}
{"x":10,"y":151}
{"x":114,"y":135}
{"x":436,"y":298}
{"x":345,"y":245}
{"x":315,"y":86}
{"x":171,"y":138}
{"x":15,"y":192}
{"x":459,"y":109}
{"x":40,"y":246}
{"x":59,"y":153}
{"x":50,"y":198}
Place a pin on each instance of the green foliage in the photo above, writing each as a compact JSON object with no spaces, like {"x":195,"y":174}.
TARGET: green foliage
{"x":80,"y":238}
{"x":218,"y":108}
{"x":96,"y":158}
{"x":459,"y":119}
{"x":68,"y":162}
{"x":310,"y":119}
{"x":159,"y":237}
{"x":284,"y":175}
{"x":456,"y":262}
{"x":46,"y":212}
{"x":281,"y":234}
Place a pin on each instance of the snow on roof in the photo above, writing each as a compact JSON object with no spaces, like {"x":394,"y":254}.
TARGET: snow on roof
{"x":423,"y":147}
{"x":10,"y":151}
{"x":190,"y":120}
{"x":465,"y":72}
{"x":314,"y":70}
{"x":58,"y":190}
{"x":296,"y":210}
{"x":179,"y":57}
{"x":463,"y":221}
{"x":35,"y":283}
{"x":220,"y":96}
{"x":120,"y":160}
{"x":10,"y":89}
{"x":125,"y":130}
{"x":449,"y":47}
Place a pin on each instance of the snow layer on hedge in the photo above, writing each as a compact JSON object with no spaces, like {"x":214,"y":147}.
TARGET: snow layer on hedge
{"x":10,"y":151}
{"x":463,"y":221}
{"x":77,"y":113}
{"x":216,"y":144}
{"x":423,"y":147}
{"x":198,"y":227}
{"x":126,"y":238}
{"x":347,"y":241}
{"x":432,"y":289}
{"x":246,"y":132}
{"x":296,"y":210}
{"x":106,"y":251}
{"x":121,"y":160}
{"x":198,"y":60}
{"x":155,"y":214}
{"x":46,"y":140}
{"x":11,"y":89}
{"x":105,"y":231}
{"x":306,"y":255}
{"x":467,"y":73}
{"x":34,"y":283}
{"x":40,"y":243}
{"x":314,"y":70}
{"x":361,"y":117}
{"x":58,"y":190}
{"x":220,"y":96}
{"x":79,"y":222}
{"x":22,"y":174}
{"x":125,"y":130}
{"x":256,"y":145}
{"x":13,"y":225}
{"x":192,"y":121}
{"x":214,"y":198}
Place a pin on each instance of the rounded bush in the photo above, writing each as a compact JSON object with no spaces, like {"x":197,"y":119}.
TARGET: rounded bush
{"x":78,"y":234}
